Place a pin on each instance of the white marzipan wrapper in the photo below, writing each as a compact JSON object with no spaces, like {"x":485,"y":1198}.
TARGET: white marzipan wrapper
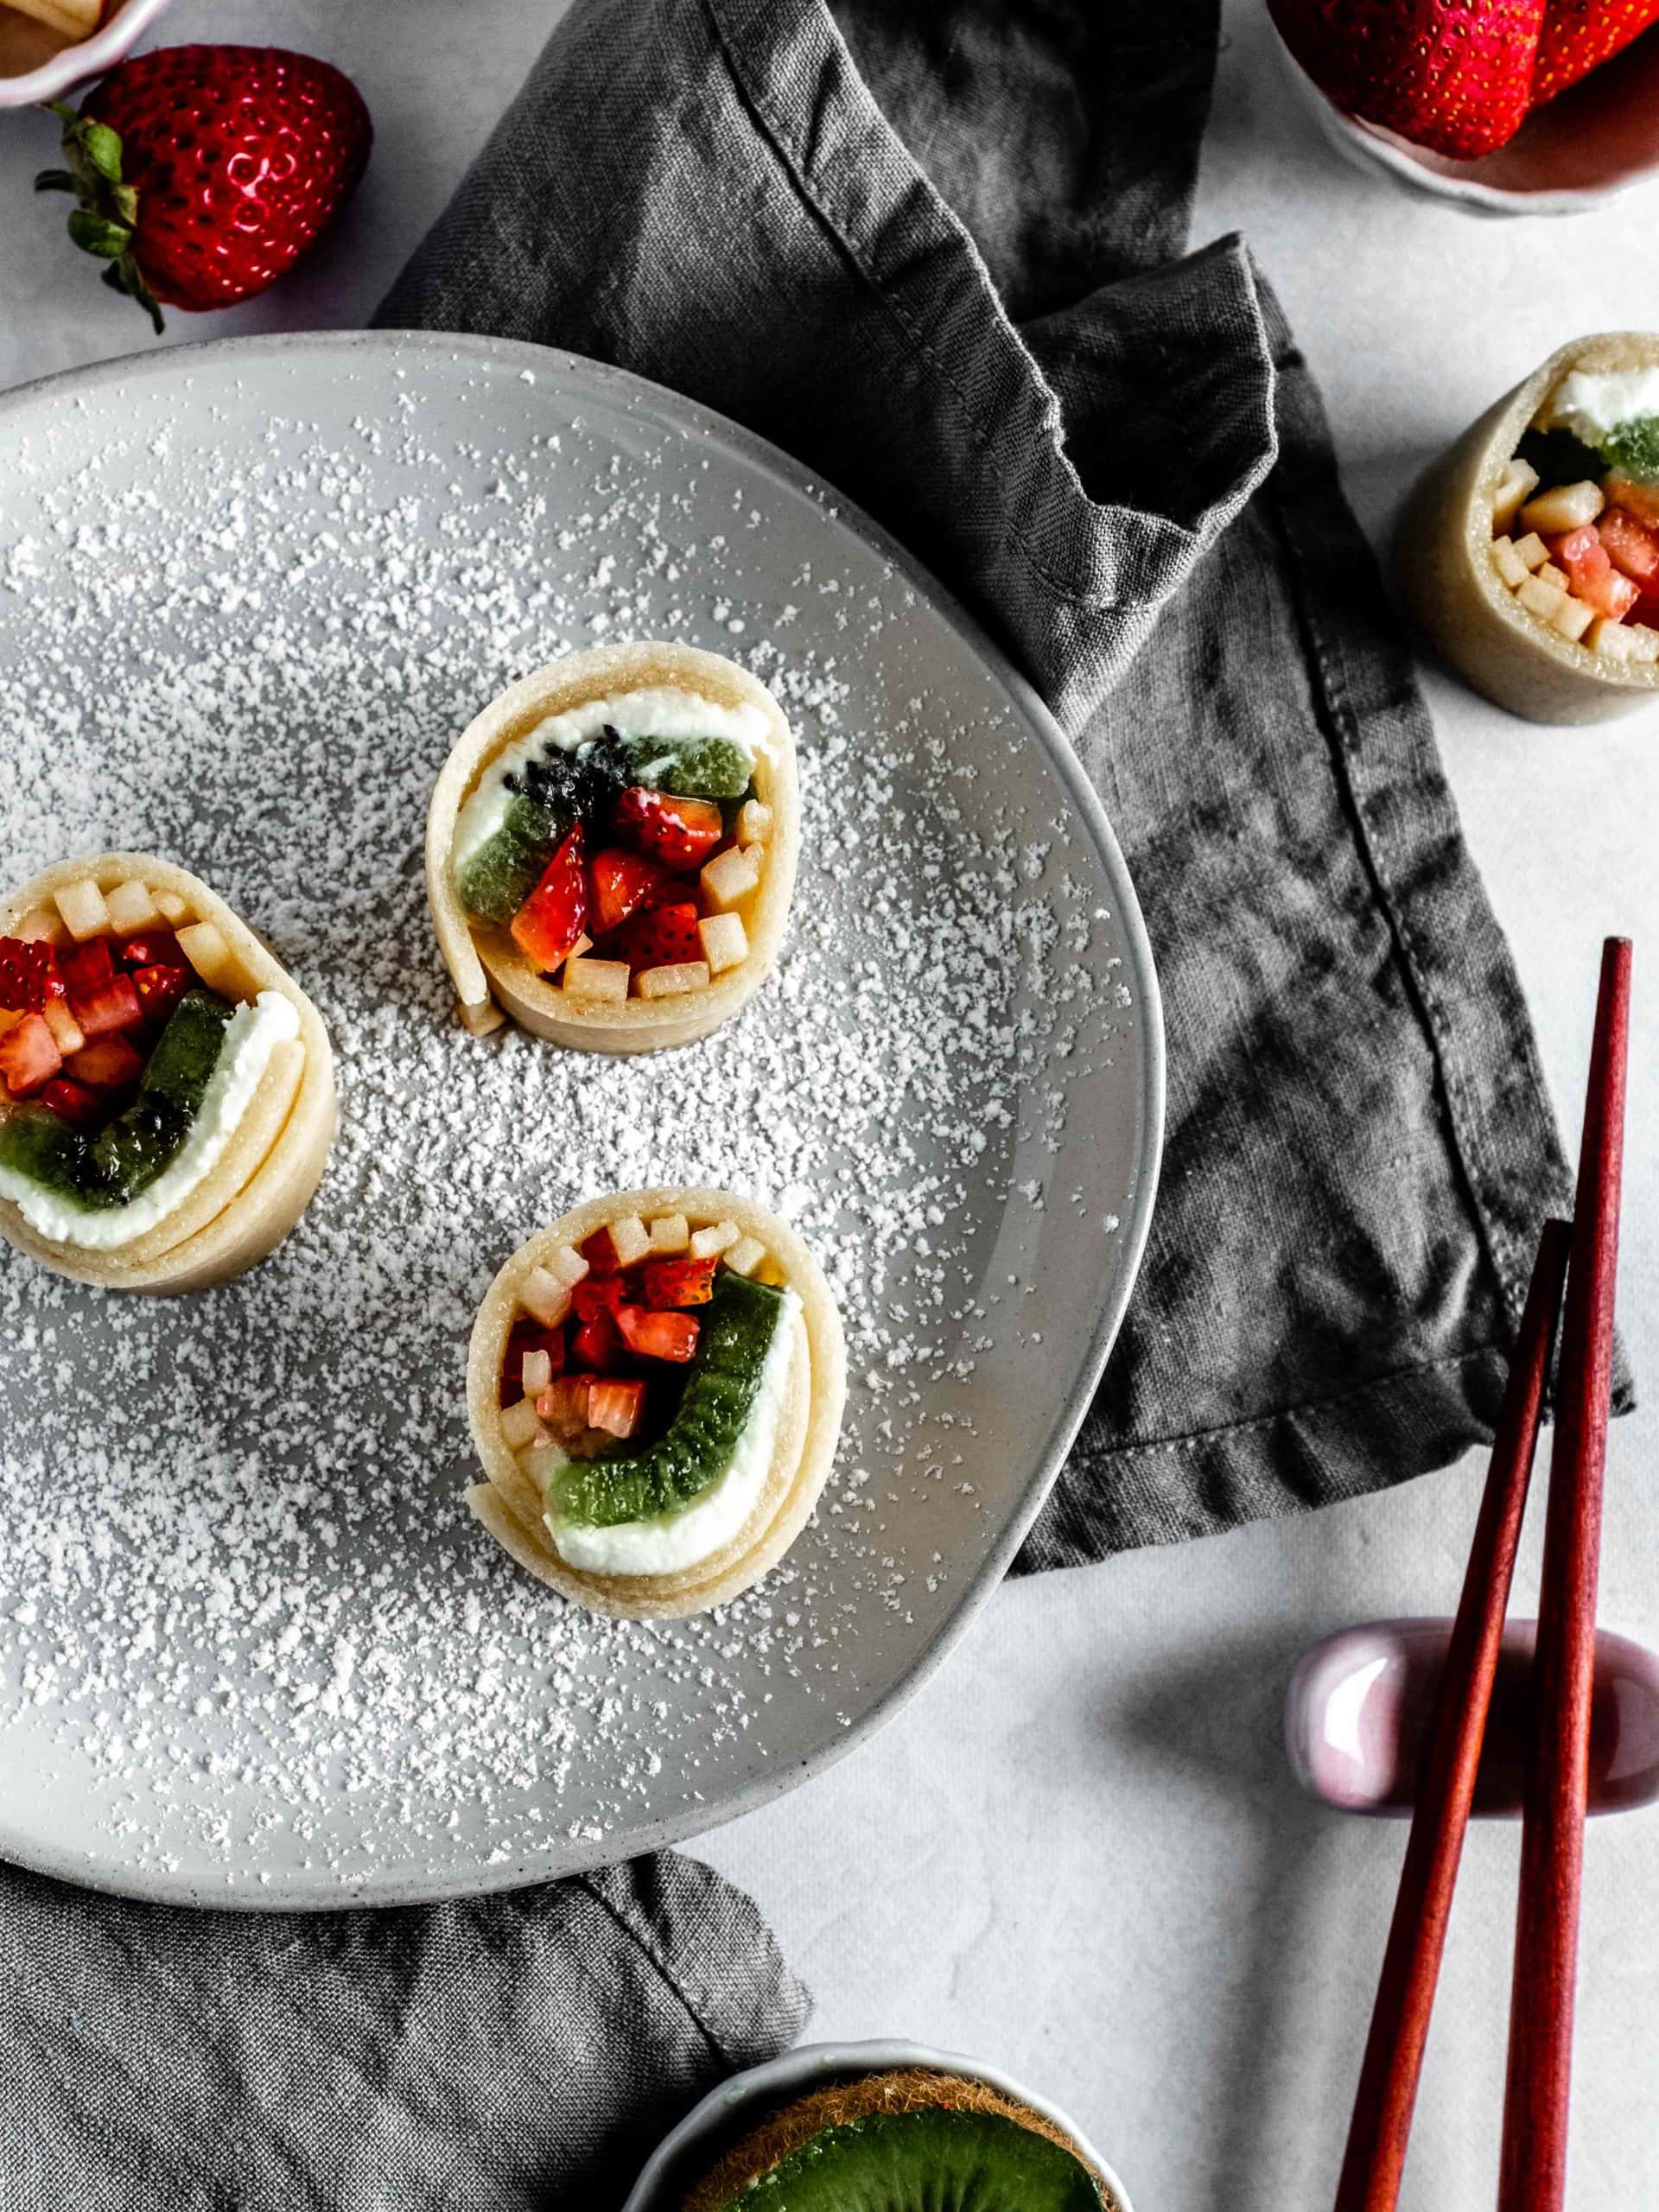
{"x":268,"y":1171}
{"x":804,"y":1446}
{"x":1447,"y":572}
{"x":491,"y":977}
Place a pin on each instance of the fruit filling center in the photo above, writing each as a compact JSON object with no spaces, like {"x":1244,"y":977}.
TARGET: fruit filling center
{"x":1575,"y":520}
{"x":131,"y":1041}
{"x":621,"y":859}
{"x":643,"y":1367}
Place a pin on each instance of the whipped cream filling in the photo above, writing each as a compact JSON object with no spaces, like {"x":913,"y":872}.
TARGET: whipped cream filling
{"x":1593,"y":403}
{"x":669,"y":1543}
{"x":251,"y":1035}
{"x":659,"y":711}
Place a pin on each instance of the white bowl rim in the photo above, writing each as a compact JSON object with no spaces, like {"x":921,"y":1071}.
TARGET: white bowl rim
{"x":812,"y":2061}
{"x":88,"y":58}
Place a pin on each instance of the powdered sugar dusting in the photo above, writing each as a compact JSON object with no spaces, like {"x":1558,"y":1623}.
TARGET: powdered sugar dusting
{"x":249,"y":1634}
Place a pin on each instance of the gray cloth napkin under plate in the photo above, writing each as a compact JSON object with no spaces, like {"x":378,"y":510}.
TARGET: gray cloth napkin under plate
{"x":927,"y":249}
{"x":506,"y":2054}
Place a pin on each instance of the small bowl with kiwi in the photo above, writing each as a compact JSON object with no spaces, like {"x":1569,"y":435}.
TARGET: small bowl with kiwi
{"x":879,"y":2127}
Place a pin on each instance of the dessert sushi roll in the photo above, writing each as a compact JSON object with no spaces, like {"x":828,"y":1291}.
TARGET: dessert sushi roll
{"x":1531,"y":551}
{"x":166,"y":1092}
{"x":655,"y":1389}
{"x":611,"y":848}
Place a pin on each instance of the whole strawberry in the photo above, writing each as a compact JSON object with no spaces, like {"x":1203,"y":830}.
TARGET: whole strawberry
{"x":1452,"y":75}
{"x":1579,"y":35}
{"x":204,"y":172}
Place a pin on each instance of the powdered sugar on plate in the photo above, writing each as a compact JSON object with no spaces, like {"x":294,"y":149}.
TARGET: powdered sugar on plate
{"x":253,"y":1645}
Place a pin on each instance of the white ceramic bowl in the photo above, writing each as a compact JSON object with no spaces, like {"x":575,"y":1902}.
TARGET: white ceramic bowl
{"x":1593,"y":143}
{"x":681,"y":2158}
{"x":70,"y":65}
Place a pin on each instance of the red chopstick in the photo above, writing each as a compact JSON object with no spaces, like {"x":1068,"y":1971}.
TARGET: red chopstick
{"x":1411,"y":1964}
{"x":1533,"y":2174}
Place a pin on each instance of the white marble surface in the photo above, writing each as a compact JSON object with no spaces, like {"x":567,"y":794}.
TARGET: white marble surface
{"x":1079,"y":1853}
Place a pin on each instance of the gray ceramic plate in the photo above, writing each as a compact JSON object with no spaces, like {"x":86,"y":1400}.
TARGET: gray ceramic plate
{"x":252,"y":1649}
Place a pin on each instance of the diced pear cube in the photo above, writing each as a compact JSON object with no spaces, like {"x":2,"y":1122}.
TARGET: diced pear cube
{"x":1572,"y":618}
{"x":565,"y":1265}
{"x":725,"y":942}
{"x":1611,"y":640}
{"x":131,"y":907}
{"x":731,"y":875}
{"x":596,"y":979}
{"x":41,"y":926}
{"x":1520,"y":482}
{"x":670,"y":1232}
{"x":1549,"y":573}
{"x":480,"y":1020}
{"x":85,"y":914}
{"x":203,"y":945}
{"x":668,"y":982}
{"x":709,"y":1243}
{"x":1565,"y":506}
{"x":67,"y":1032}
{"x":544,"y":1297}
{"x":538,"y":1367}
{"x":1508,"y":563}
{"x":173,"y":908}
{"x":746,"y":1255}
{"x":1531,"y":551}
{"x":754,"y":822}
{"x":583,"y":943}
{"x":1540,"y":598}
{"x":521,"y":1425}
{"x":630,"y":1239}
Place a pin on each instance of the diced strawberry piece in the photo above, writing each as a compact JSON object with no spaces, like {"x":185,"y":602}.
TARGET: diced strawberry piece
{"x":597,"y":1294}
{"x":1633,"y":548}
{"x":679,"y":832}
{"x":556,"y":913}
{"x":658,"y":1336}
{"x":674,"y":891}
{"x":1612,"y":594}
{"x":154,"y":948}
{"x":29,"y":975}
{"x":618,"y":885}
{"x":598,"y":1344}
{"x":617,"y":1407}
{"x":1641,"y":500}
{"x":112,"y":1005}
{"x":661,"y":939}
{"x":1591,"y":574}
{"x":675,"y":1282}
{"x":74,"y":1102}
{"x":108,"y":1064}
{"x":601,"y":1253}
{"x":86,"y":968}
{"x":563,"y":1404}
{"x":28,"y":1056}
{"x":528,"y":1335}
{"x":159,"y":989}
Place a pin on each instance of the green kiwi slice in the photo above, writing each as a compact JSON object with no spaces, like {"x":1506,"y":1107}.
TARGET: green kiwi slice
{"x":689,"y":767}
{"x":910,"y":2141}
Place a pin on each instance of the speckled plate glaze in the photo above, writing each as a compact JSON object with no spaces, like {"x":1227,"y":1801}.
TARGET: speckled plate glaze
{"x":252,"y":1650}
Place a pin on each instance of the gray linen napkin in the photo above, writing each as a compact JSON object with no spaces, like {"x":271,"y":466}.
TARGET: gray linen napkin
{"x":927,"y":249}
{"x":495,"y":2054}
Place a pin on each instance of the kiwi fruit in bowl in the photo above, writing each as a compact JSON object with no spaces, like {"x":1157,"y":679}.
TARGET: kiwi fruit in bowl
{"x":909,"y":2139}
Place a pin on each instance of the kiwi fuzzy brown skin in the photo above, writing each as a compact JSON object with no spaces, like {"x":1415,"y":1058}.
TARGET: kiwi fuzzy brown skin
{"x":909,"y":2089}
